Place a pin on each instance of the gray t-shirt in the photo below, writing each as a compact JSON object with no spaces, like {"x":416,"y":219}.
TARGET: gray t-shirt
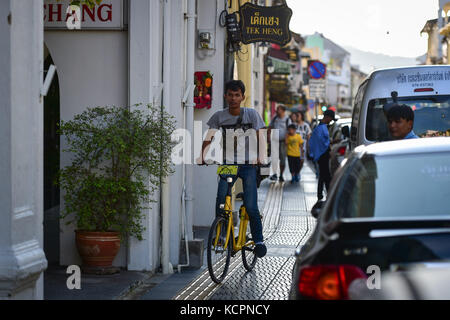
{"x":243,"y":151}
{"x":225,"y":118}
{"x":281,"y":124}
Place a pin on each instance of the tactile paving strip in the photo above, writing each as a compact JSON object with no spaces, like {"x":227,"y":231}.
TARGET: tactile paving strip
{"x":250,"y":285}
{"x":287,"y":225}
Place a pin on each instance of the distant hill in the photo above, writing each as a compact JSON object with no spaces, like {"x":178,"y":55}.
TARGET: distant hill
{"x":368,"y":61}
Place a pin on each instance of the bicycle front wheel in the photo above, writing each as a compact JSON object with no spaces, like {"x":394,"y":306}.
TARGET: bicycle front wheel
{"x":218,"y":253}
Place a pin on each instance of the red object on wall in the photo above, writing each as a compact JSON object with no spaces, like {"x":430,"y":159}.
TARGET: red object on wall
{"x":203,"y":90}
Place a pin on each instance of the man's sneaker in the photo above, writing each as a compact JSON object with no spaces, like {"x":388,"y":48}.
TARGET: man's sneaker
{"x":274,"y":177}
{"x":281,"y":179}
{"x":260,"y":250}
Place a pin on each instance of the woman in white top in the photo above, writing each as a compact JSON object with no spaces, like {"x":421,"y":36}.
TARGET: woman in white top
{"x":305,"y":132}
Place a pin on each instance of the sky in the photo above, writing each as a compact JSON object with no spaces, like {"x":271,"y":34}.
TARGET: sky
{"x":391,"y":27}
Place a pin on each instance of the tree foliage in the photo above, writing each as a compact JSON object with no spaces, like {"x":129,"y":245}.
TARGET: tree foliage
{"x":119,"y":157}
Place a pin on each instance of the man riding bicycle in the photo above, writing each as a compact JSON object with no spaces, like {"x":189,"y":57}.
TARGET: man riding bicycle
{"x":228,"y":120}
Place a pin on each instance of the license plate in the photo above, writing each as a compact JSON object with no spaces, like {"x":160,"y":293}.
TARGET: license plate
{"x":228,"y":170}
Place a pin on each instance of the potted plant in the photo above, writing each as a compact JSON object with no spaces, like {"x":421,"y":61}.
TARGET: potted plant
{"x":119,"y":157}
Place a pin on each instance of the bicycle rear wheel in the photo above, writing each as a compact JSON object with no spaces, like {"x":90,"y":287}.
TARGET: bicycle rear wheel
{"x":218,"y":257}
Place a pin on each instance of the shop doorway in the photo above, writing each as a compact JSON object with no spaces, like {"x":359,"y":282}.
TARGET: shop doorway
{"x":51,"y":166}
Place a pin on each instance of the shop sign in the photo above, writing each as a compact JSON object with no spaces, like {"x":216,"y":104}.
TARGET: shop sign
{"x":278,"y":85}
{"x":281,"y":67}
{"x":265,"y":24}
{"x":292,"y":53}
{"x":107,"y":14}
{"x":284,"y":98}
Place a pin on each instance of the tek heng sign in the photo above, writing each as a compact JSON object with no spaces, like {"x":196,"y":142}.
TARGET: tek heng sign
{"x":265,"y":24}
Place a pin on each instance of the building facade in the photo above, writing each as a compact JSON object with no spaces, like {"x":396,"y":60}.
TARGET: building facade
{"x":338,"y":78}
{"x":120,"y":52}
{"x":438,"y":31}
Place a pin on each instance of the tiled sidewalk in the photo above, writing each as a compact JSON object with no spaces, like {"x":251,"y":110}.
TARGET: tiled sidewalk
{"x":287,"y":226}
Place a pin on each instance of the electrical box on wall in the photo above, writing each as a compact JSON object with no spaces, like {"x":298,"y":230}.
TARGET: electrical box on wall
{"x":206,"y":39}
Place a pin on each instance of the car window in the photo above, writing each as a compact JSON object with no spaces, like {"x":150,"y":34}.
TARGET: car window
{"x":431,"y":113}
{"x":397,"y":186}
{"x":356,"y":111}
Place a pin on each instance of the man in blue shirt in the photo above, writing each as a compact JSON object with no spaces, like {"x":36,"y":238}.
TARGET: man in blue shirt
{"x":319,"y":150}
{"x":401,"y":122}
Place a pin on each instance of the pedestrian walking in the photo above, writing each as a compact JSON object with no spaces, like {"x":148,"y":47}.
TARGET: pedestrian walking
{"x":281,"y":122}
{"x":319,"y":148}
{"x":305,"y":132}
{"x":293,"y":118}
{"x":294,"y":145}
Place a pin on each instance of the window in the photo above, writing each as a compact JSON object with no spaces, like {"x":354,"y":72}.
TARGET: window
{"x":356,"y":111}
{"x":432,"y":117}
{"x":385,"y":187}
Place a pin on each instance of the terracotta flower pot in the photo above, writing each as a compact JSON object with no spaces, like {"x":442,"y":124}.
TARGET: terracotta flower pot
{"x":97,"y":249}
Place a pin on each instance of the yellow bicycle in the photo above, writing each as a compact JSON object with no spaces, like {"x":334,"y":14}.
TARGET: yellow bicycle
{"x":222,"y":243}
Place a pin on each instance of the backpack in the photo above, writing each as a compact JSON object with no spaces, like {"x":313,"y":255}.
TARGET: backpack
{"x":238,"y":125}
{"x":277,"y":117}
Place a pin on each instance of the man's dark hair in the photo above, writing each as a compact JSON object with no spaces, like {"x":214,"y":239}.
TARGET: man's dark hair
{"x":400,"y":111}
{"x":235,"y":85}
{"x":292,"y":126}
{"x":284,"y":108}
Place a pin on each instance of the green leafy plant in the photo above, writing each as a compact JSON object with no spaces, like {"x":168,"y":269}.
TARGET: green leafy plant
{"x":119,"y":157}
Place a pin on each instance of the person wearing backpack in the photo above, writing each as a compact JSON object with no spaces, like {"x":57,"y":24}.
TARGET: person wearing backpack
{"x":236,"y":118}
{"x":281,"y":123}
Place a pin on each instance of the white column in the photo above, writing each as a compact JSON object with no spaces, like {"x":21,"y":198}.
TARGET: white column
{"x":145,"y":60}
{"x":22,"y":259}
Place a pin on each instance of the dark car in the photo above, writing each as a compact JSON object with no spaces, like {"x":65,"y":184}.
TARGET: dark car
{"x":388,"y":205}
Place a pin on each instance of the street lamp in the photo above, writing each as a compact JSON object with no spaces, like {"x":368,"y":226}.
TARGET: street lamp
{"x":263,"y":48}
{"x":270,"y":66}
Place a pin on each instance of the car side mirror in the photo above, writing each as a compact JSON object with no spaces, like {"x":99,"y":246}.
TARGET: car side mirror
{"x":346,"y":132}
{"x":315,"y":211}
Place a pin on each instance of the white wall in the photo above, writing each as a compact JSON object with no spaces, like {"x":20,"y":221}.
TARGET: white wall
{"x":93,"y":71}
{"x":205,"y":182}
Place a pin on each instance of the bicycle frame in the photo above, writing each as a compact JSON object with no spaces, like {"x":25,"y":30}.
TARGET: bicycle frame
{"x":244,"y":220}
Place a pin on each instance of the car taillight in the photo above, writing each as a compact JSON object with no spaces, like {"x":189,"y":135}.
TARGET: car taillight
{"x":328,"y":282}
{"x":342,"y":150}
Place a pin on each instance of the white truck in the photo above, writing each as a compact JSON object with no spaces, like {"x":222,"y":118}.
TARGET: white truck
{"x":426,"y":89}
